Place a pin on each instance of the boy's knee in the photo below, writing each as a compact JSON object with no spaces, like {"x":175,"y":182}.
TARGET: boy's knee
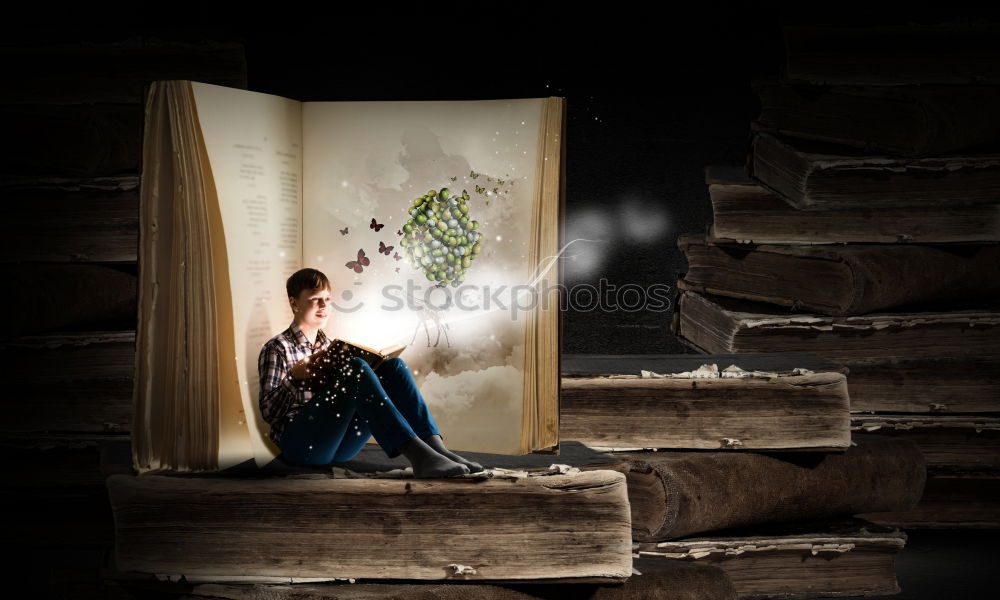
{"x":359,"y":363}
{"x":395,"y":364}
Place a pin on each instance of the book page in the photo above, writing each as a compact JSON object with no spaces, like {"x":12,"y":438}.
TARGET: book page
{"x":366,"y":164}
{"x":254,"y":145}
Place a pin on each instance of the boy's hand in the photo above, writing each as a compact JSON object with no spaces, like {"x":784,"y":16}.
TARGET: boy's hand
{"x":310,"y":366}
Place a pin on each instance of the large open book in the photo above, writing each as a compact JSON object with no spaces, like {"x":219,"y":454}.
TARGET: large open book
{"x":241,"y":189}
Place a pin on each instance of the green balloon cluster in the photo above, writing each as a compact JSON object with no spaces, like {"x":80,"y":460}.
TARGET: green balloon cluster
{"x":440,"y":238}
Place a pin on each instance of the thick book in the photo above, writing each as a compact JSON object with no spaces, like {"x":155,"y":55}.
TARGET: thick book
{"x":422,"y":214}
{"x":817,"y":176}
{"x":652,"y":579}
{"x":847,"y":557}
{"x":843,"y":279}
{"x":744,"y":211}
{"x":676,"y":494}
{"x":898,"y":120}
{"x":963,"y":443}
{"x":941,"y":386}
{"x":335,"y":361}
{"x":720,"y":325}
{"x":460,"y":529}
{"x":915,"y":53}
{"x":960,"y":500}
{"x":736,"y":402}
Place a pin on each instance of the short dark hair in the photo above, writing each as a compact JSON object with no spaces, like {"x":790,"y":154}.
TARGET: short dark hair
{"x":306,"y":279}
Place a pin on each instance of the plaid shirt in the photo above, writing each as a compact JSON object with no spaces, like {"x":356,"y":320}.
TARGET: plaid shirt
{"x":281,"y":397}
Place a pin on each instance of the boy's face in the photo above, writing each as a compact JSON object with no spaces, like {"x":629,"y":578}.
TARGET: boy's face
{"x":312,"y":308}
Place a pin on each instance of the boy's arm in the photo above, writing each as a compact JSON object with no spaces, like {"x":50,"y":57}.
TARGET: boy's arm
{"x":278,"y":392}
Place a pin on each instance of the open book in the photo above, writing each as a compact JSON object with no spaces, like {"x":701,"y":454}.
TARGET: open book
{"x":335,"y":357}
{"x":392,"y":201}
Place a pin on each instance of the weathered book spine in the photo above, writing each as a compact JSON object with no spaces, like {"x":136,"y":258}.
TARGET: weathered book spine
{"x":792,"y":412}
{"x":849,"y":558}
{"x":898,"y":120}
{"x":843,"y":280}
{"x":675,"y":494}
{"x":816,"y":178}
{"x":746,"y":212}
{"x":651,"y":580}
{"x":573,"y":526}
{"x":729,"y":325}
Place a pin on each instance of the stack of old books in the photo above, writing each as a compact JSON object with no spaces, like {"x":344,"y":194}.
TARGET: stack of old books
{"x":867,"y":233}
{"x":746,"y":462}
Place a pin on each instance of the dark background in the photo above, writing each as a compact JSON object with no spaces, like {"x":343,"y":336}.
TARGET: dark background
{"x":653,"y":96}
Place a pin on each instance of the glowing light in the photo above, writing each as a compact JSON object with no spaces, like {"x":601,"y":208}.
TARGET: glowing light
{"x":344,"y":183}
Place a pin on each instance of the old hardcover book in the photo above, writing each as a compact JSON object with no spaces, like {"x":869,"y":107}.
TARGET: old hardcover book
{"x":951,"y":500}
{"x":744,"y":402}
{"x":948,"y":53}
{"x":240,"y":189}
{"x":817,"y":176}
{"x":720,"y":325}
{"x":652,"y":579}
{"x":954,"y":442}
{"x":676,"y":494}
{"x":849,"y":557}
{"x":842,"y":279}
{"x":943,"y":385}
{"x":898,"y":120}
{"x":209,"y":526}
{"x":744,"y":211}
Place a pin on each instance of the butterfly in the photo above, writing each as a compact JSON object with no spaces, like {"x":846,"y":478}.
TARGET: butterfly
{"x":397,"y":269}
{"x":399,"y":232}
{"x":395,"y":255}
{"x":454,"y":178}
{"x":473,"y":174}
{"x":384,"y":249}
{"x":343,"y":231}
{"x":480,"y":190}
{"x":500,"y":181}
{"x":360,"y":264}
{"x":376,"y":226}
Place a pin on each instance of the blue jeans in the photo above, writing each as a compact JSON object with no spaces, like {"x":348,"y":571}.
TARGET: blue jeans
{"x":336,"y":424}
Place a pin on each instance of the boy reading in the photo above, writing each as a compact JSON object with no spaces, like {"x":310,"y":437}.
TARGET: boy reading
{"x":318,"y":420}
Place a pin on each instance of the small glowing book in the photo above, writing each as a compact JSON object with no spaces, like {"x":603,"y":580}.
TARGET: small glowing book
{"x":334,"y":359}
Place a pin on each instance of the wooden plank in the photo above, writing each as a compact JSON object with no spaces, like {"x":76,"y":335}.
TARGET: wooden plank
{"x":116,"y":71}
{"x":557,"y":526}
{"x":56,"y":489}
{"x":81,"y":220}
{"x":47,"y":297}
{"x":101,"y":405}
{"x":71,"y":141}
{"x":71,"y":356}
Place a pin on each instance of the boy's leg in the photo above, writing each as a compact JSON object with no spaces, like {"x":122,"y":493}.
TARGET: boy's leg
{"x":315,"y":434}
{"x":392,"y":431}
{"x":382,"y":416}
{"x":396,"y":380}
{"x":398,"y":383}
